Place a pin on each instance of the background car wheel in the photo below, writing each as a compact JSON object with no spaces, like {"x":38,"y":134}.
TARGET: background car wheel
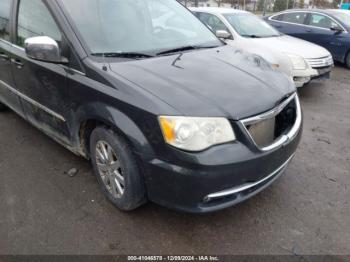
{"x":116,"y":169}
{"x":347,"y":60}
{"x":2,"y":107}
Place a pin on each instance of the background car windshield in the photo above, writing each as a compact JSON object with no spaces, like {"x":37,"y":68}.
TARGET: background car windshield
{"x":147,"y":26}
{"x":248,"y":25}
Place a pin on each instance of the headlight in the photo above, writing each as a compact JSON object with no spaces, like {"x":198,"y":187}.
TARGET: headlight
{"x":298,"y":62}
{"x":196,"y":133}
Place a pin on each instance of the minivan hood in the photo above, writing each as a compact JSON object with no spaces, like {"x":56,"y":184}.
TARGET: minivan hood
{"x":211,"y":82}
{"x":291,"y":45}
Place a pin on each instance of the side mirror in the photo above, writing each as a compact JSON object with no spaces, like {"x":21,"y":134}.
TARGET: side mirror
{"x":337,"y":29}
{"x":43,"y":48}
{"x":223,"y":34}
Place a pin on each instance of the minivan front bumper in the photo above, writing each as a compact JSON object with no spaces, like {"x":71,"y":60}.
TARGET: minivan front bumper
{"x":217,"y":178}
{"x":249,"y":189}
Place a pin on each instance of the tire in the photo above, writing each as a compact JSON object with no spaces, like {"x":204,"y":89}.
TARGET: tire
{"x":128,"y":192}
{"x":2,"y":107}
{"x":347,"y":60}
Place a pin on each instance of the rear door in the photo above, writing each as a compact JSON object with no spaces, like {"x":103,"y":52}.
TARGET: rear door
{"x":43,"y":85}
{"x":7,"y":91}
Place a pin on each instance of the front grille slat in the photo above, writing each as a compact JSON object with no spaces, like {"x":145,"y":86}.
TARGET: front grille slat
{"x":320,"y":62}
{"x":263,"y":132}
{"x":266,"y":129}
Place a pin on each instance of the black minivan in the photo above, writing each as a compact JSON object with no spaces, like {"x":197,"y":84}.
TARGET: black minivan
{"x":164,"y":110}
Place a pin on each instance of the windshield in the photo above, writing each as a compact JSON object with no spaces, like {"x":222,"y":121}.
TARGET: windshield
{"x":137,"y":26}
{"x":249,"y":25}
{"x":343,"y":16}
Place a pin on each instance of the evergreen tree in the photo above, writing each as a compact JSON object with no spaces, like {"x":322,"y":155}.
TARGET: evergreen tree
{"x":280,"y":5}
{"x":291,"y":4}
{"x":260,"y":6}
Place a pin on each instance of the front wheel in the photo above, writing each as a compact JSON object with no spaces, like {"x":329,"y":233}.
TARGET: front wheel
{"x":116,"y":169}
{"x":347,"y":60}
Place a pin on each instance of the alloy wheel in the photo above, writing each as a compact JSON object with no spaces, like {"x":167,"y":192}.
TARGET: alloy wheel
{"x":110,"y":170}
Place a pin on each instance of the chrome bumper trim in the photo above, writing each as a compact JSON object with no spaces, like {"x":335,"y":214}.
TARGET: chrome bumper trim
{"x":245,"y":187}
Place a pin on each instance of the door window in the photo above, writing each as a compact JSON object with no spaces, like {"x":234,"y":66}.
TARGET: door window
{"x":213,"y":22}
{"x":5,"y":11}
{"x":34,"y":19}
{"x":296,"y":18}
{"x":322,"y":21}
{"x":277,"y":17}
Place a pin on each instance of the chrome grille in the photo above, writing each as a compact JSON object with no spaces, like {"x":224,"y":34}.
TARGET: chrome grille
{"x":275,"y":127}
{"x":320,"y":62}
{"x":263,"y":132}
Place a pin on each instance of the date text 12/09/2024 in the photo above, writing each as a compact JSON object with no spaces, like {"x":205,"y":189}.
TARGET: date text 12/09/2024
{"x":173,"y":258}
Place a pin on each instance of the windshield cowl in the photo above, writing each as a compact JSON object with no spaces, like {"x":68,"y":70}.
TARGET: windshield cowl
{"x":260,"y":36}
{"x":131,"y":55}
{"x":185,"y":48}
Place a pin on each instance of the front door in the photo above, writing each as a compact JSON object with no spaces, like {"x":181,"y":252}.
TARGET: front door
{"x":291,"y":23}
{"x":43,"y":85}
{"x":7,"y":92}
{"x":321,"y":33}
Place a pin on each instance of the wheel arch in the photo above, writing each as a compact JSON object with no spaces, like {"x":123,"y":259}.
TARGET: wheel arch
{"x":91,"y":117}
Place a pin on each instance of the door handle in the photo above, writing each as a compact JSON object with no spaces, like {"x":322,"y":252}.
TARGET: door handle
{"x":3,"y":56}
{"x":18,"y":63}
{"x":309,"y":30}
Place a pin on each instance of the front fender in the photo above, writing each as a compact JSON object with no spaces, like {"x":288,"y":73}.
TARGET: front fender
{"x":111,"y":117}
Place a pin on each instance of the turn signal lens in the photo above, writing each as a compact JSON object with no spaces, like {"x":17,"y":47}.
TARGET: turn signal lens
{"x":167,"y":128}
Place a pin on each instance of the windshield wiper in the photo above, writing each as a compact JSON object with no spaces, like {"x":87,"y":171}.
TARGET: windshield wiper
{"x":123,"y":55}
{"x":185,"y":48}
{"x":273,"y":35}
{"x":252,"y":36}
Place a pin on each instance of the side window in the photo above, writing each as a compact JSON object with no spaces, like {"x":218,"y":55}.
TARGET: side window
{"x":5,"y":11}
{"x":213,"y":22}
{"x":196,"y":14}
{"x":277,"y":17}
{"x":321,"y":21}
{"x":296,"y":18}
{"x":34,"y":19}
